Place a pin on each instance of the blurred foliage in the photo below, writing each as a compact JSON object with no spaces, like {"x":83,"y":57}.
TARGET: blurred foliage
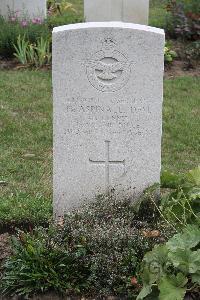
{"x":169,"y":54}
{"x":184,"y":19}
{"x":11,"y":30}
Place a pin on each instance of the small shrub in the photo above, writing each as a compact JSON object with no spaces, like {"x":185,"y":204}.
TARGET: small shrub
{"x":184,"y":19}
{"x":96,"y":249}
{"x":192,"y":53}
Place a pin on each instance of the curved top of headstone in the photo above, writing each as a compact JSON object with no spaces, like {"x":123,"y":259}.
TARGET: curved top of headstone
{"x":108,"y":25}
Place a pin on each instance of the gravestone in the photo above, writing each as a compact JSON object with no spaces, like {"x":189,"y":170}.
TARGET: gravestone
{"x":133,"y":11}
{"x":24,"y":8}
{"x":108,"y":90}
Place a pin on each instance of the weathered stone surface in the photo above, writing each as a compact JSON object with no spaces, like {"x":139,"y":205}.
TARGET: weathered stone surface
{"x":26,"y":8}
{"x":133,"y":11}
{"x":108,"y":89}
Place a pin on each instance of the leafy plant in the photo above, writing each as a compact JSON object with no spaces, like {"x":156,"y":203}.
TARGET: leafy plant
{"x":33,"y":54}
{"x":42,"y":50}
{"x":21,"y":50}
{"x":173,"y":268}
{"x":169,"y":54}
{"x":181,"y":205}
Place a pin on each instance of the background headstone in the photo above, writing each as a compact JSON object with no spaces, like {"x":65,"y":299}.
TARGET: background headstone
{"x":108,"y":90}
{"x":26,"y":8}
{"x":132,"y":11}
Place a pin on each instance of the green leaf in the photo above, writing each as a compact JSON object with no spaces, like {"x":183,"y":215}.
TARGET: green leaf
{"x":156,"y":262}
{"x":180,"y":280}
{"x":189,"y":239}
{"x":180,"y":259}
{"x":146,"y":290}
{"x":196,"y":278}
{"x":173,"y":287}
{"x":186,"y":260}
{"x":194,"y":263}
{"x":173,"y":53}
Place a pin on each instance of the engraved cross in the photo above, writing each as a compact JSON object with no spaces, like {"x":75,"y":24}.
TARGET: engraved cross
{"x":107,"y":162}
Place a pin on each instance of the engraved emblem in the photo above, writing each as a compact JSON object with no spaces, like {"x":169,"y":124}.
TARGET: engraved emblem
{"x":108,"y":70}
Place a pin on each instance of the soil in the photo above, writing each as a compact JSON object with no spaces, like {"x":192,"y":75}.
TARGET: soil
{"x":5,"y":249}
{"x":180,"y":68}
{"x":12,"y":64}
{"x":7,"y":64}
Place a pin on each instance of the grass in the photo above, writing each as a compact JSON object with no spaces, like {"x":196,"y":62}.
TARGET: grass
{"x":26,"y":140}
{"x":181,"y":124}
{"x":26,"y":146}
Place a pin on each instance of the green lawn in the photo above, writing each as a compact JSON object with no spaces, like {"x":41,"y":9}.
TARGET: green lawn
{"x":181,"y":124}
{"x":26,"y":145}
{"x":26,"y":139}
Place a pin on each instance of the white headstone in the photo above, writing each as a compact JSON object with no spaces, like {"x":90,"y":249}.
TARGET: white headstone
{"x":25,"y":8}
{"x":108,"y":90}
{"x":133,"y":11}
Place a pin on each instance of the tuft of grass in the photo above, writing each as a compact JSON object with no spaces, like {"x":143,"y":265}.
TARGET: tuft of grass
{"x":26,"y":139}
